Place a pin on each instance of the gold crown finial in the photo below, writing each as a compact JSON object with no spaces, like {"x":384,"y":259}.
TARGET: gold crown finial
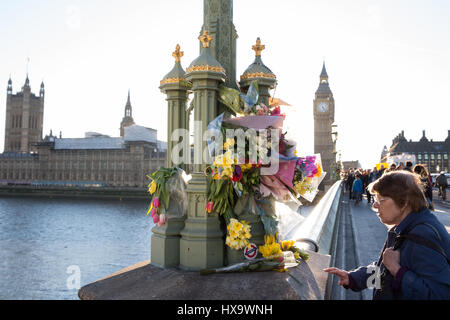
{"x":205,"y":39}
{"x":177,"y":54}
{"x":258,"y":47}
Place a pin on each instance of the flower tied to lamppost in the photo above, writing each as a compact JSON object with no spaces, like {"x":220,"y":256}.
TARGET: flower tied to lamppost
{"x":205,"y":39}
{"x":160,"y":194}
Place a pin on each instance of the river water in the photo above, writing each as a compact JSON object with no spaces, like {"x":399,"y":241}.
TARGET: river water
{"x":49,"y":246}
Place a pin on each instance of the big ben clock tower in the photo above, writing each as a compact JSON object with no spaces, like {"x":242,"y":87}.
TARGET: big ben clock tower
{"x":323,"y":119}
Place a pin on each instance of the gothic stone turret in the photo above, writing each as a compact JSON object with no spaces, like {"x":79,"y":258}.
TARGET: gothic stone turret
{"x":24,"y":119}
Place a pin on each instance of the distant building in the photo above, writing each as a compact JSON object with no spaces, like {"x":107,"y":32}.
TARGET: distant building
{"x":324,"y":111}
{"x":128,"y":118}
{"x":433,"y":154}
{"x":24,"y":118}
{"x":96,"y":159}
{"x":351,"y":164}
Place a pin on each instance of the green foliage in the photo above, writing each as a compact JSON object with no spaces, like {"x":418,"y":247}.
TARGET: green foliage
{"x":303,"y":255}
{"x":250,"y":181}
{"x":230,"y":97}
{"x":221,"y":193}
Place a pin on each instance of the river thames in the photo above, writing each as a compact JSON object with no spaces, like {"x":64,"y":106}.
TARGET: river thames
{"x":45,"y":242}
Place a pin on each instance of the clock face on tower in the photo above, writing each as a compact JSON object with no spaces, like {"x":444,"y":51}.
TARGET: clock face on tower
{"x":322,"y":107}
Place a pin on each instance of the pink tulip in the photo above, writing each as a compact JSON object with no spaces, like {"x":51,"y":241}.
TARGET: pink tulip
{"x":209,"y":207}
{"x":156,"y":202}
{"x":155,"y":218}
{"x":276,"y":111}
{"x":162,"y":220}
{"x":154,"y":212}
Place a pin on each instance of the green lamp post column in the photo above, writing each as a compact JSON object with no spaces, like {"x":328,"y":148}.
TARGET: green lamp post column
{"x":165,"y":244}
{"x":202,"y":239}
{"x":175,"y":86}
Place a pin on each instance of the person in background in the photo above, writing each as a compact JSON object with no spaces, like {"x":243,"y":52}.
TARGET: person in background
{"x":409,"y":166}
{"x":381,"y":172}
{"x":442,"y":184}
{"x":414,"y":263}
{"x":393,"y":167}
{"x":374,"y":174}
{"x":367,"y":180}
{"x":350,"y":179}
{"x":357,"y":189}
{"x":400,"y":166}
{"x":426,"y":183}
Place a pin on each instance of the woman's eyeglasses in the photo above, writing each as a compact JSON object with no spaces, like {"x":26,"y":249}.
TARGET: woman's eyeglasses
{"x":379,"y":199}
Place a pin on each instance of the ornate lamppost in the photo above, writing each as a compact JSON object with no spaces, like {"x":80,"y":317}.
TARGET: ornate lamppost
{"x":335,"y":165}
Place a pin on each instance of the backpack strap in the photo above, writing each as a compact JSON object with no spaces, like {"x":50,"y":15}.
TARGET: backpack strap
{"x":422,"y":241}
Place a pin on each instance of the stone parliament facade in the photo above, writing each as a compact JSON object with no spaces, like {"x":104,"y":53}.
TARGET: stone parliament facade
{"x":95,"y":160}
{"x":433,"y":154}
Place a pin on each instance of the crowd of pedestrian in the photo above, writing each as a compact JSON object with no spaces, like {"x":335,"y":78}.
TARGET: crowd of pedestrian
{"x":357,"y":180}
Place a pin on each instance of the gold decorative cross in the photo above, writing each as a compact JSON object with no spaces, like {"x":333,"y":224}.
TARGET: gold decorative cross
{"x":258,"y":47}
{"x":205,"y":39}
{"x":177,"y":54}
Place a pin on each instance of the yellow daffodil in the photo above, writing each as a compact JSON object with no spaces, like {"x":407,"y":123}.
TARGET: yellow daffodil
{"x":228,"y":144}
{"x":238,"y":233}
{"x":287,"y":244}
{"x":234,"y":234}
{"x":235,"y":225}
{"x":246,"y":167}
{"x":224,"y":160}
{"x":303,"y":186}
{"x":270,"y":249}
{"x":227,"y":172}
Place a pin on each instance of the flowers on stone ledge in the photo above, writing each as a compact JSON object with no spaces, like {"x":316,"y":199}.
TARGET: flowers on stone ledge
{"x":271,"y":249}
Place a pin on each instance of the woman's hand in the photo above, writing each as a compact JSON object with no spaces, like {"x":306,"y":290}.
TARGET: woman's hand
{"x":391,"y":260}
{"x":342,"y":274}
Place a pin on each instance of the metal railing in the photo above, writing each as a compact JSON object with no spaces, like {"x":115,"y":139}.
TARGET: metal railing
{"x":316,"y":232}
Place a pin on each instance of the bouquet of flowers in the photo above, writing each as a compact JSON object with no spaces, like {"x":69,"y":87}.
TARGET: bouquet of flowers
{"x":227,"y":181}
{"x":238,"y":234}
{"x":167,"y":184}
{"x":305,"y":170}
{"x":230,"y":178}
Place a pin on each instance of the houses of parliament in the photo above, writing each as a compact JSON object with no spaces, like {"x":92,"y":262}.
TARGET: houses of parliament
{"x":95,"y":160}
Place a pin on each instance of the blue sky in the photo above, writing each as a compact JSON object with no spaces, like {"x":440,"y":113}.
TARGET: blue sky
{"x":388,"y":62}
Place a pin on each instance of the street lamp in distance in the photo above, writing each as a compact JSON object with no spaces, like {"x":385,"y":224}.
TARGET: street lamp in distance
{"x":335,"y":165}
{"x":334,"y":133}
